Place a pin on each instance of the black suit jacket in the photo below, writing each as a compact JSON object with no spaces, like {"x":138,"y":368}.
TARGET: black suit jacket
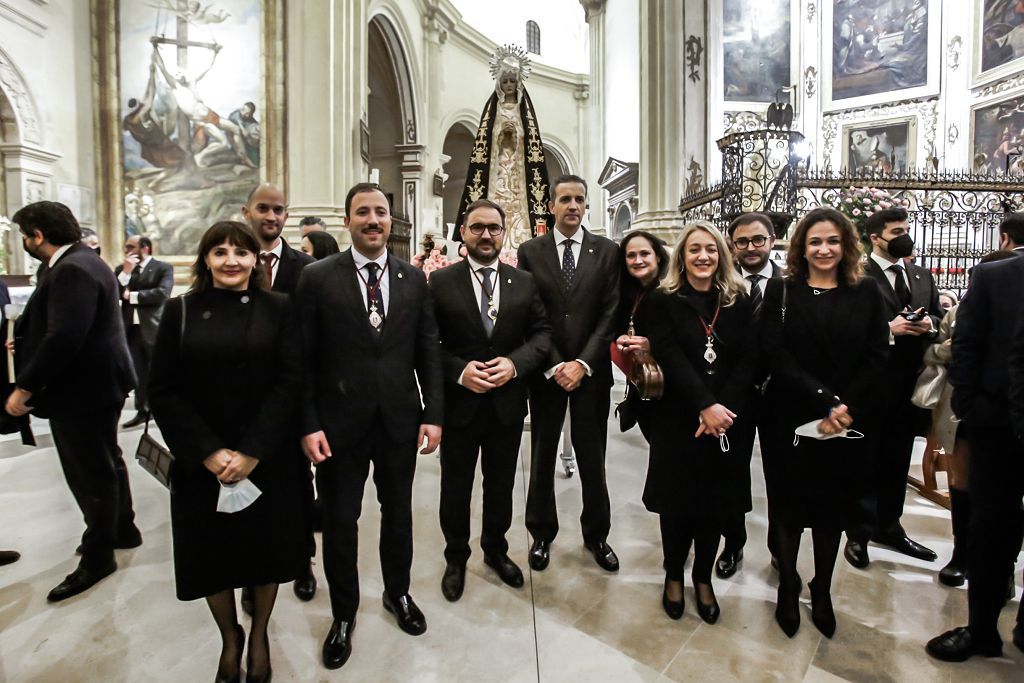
{"x":351,"y":371}
{"x":582,"y":315}
{"x":154,"y":285}
{"x":70,"y":348}
{"x":521,"y":333}
{"x":987,"y":324}
{"x":290,"y":268}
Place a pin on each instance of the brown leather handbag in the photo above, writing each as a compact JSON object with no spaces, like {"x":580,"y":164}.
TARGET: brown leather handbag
{"x":647,"y":376}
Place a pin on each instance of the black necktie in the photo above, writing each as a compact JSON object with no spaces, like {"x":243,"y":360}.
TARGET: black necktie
{"x":755,"y":291}
{"x":374,"y":297}
{"x":568,"y":262}
{"x":902,"y":291}
{"x":486,"y":299}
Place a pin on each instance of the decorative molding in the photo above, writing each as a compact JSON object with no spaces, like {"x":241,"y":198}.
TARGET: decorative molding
{"x":952,"y":133}
{"x":740,"y":121}
{"x":953,"y":50}
{"x":1000,"y":87}
{"x":926,"y":110}
{"x":581,"y":92}
{"x":15,"y":88}
{"x":592,"y":8}
{"x":694,"y":51}
{"x":810,"y":81}
{"x":812,"y":10}
{"x":16,"y":16}
{"x":695,"y":179}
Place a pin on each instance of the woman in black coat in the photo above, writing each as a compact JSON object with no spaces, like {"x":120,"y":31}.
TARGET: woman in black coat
{"x":224,"y":386}
{"x":826,"y":335}
{"x":699,"y":324}
{"x":644,"y":262}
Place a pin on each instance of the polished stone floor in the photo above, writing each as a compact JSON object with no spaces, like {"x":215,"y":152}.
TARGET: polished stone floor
{"x":572,"y":622}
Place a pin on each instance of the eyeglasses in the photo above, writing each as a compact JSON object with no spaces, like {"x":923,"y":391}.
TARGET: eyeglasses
{"x":743,"y":242}
{"x":493,"y":229}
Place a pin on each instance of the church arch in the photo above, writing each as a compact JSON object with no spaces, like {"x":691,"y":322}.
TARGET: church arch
{"x":458,"y":146}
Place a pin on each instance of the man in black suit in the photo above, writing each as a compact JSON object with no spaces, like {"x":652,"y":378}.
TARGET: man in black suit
{"x":751,"y":238}
{"x":145,"y":285}
{"x":266,"y":212}
{"x":73,"y":367}
{"x":987,"y":374}
{"x":369,"y":335}
{"x":912,"y":305}
{"x":577,"y":274}
{"x":494,"y":334}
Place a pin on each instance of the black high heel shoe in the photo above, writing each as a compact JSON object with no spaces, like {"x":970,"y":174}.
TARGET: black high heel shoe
{"x":708,"y":612}
{"x":673,"y":609}
{"x":787,"y":609}
{"x":240,"y":638}
{"x":265,"y":678}
{"x":821,"y":608}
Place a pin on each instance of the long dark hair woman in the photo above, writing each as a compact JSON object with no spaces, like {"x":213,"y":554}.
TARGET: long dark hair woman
{"x":825,"y":332}
{"x":644,"y":260}
{"x":319,"y":244}
{"x":224,"y":384}
{"x":699,"y":326}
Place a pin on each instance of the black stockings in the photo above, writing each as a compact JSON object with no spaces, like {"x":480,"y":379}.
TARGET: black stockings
{"x":222,"y":606}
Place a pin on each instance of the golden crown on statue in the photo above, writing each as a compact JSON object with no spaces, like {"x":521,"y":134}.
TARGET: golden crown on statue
{"x":511,"y":58}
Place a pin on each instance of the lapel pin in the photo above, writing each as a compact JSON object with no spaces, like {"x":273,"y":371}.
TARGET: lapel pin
{"x":590,"y":251}
{"x":509,"y":281}
{"x":399,"y":276}
{"x":917,"y":277}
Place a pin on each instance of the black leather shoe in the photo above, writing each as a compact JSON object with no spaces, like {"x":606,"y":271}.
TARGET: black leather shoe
{"x":540,"y":555}
{"x":787,"y":607}
{"x":305,"y":587}
{"x":856,"y":553}
{"x":673,"y":609}
{"x":901,"y":543}
{"x":240,"y":639}
{"x":953,"y":574}
{"x":728,"y":563}
{"x":453,"y":581}
{"x":247,"y":600}
{"x":604,"y":556}
{"x":137,"y":421}
{"x":506,"y":569}
{"x":958,"y":646}
{"x":126,"y":540}
{"x":8,"y":556}
{"x":338,"y":645}
{"x":409,"y":617}
{"x":708,"y":612}
{"x":80,"y":580}
{"x":822,"y":614}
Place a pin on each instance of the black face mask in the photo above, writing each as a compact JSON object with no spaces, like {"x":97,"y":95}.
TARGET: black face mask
{"x":900,"y":247}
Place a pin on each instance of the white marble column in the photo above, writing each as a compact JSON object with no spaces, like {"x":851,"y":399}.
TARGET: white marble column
{"x":28,"y":177}
{"x":592,"y":140}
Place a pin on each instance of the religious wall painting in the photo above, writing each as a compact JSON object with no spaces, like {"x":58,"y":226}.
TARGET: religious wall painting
{"x":886,"y":146}
{"x":997,"y":137}
{"x":191,"y":107}
{"x":756,"y":59}
{"x":998,"y":39}
{"x":881,"y":50}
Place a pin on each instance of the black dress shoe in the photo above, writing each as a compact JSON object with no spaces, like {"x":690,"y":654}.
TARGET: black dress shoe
{"x":728,"y":563}
{"x":708,"y":612}
{"x":673,"y":609}
{"x":247,"y":600}
{"x":540,"y":555}
{"x":126,"y":540}
{"x":409,"y":617}
{"x":901,"y":543}
{"x":305,"y":587}
{"x":80,"y":580}
{"x":958,"y":646}
{"x":506,"y":569}
{"x":250,"y":677}
{"x":822,"y":614}
{"x":237,"y":677}
{"x":953,"y":574}
{"x":8,"y":556}
{"x":453,"y":581}
{"x":338,"y":645}
{"x":856,"y":553}
{"x":137,"y":421}
{"x":787,"y":607}
{"x":604,"y":556}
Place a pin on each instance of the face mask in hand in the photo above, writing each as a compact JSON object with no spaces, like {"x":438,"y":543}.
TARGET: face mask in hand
{"x":810,"y":430}
{"x":901,"y":247}
{"x":237,"y":497}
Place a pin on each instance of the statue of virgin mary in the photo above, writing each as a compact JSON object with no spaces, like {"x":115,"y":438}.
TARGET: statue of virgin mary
{"x":507,"y":162}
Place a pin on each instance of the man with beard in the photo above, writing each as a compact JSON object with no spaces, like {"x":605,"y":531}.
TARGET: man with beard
{"x":494,"y":334}
{"x":72,"y":366}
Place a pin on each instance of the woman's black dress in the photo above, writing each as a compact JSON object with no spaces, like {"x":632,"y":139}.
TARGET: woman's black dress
{"x":691,"y":477}
{"x":235,"y":385}
{"x":830,"y":350}
{"x":635,"y":305}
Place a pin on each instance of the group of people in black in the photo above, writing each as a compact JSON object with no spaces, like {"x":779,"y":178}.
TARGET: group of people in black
{"x":274,"y":360}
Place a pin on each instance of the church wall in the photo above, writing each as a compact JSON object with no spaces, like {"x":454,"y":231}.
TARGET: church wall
{"x":621,"y":83}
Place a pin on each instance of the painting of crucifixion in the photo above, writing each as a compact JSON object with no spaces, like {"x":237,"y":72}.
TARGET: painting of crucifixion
{"x":191,"y":101}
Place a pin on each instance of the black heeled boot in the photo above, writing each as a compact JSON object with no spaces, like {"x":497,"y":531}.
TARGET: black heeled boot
{"x":955,"y":572}
{"x":821,"y":608}
{"x":787,"y":608}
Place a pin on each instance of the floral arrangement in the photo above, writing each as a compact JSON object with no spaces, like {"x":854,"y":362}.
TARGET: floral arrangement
{"x":860,"y":203}
{"x":435,"y":261}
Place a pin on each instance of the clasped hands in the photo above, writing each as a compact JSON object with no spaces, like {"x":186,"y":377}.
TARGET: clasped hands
{"x":838,"y":420}
{"x":631,"y":344}
{"x":230,"y":467}
{"x":481,"y":377}
{"x":715,"y":420}
{"x":318,"y":449}
{"x":569,"y":375}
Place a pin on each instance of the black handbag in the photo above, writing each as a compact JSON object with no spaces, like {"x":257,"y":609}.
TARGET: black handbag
{"x":153,"y":456}
{"x":625,"y":410}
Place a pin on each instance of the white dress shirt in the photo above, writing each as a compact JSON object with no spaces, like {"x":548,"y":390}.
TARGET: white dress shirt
{"x":57,"y":254}
{"x":574,"y":242}
{"x":363,"y":275}
{"x":889,"y":275}
{"x":124,"y":278}
{"x":276,"y":251}
{"x":765,"y":274}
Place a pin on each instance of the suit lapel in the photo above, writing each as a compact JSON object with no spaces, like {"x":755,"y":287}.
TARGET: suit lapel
{"x":509,"y":297}
{"x":919,"y":293}
{"x":351,"y":294}
{"x":550,"y":260}
{"x":585,"y":262}
{"x":888,"y":292}
{"x":466,"y":293}
{"x":396,"y":294}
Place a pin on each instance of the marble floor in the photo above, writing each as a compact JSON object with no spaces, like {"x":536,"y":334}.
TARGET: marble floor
{"x":572,"y":622}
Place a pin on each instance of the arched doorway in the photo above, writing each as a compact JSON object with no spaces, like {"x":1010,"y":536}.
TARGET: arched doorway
{"x":392,"y":122}
{"x":623,"y":219}
{"x":458,"y":145}
{"x":556,"y":163}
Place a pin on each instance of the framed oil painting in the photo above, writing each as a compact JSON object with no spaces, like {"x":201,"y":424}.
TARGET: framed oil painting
{"x":997,"y":137}
{"x":184,"y":95}
{"x":998,"y":39}
{"x":887,"y":146}
{"x":756,"y":54}
{"x":881,"y":50}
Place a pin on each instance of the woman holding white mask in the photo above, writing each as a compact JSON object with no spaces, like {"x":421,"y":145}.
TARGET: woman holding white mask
{"x":825,"y":332}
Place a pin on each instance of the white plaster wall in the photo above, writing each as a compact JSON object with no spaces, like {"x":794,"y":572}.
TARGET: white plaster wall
{"x":622,"y":79}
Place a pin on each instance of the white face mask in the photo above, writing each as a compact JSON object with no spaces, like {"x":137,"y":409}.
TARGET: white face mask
{"x":810,"y":430}
{"x":237,"y":497}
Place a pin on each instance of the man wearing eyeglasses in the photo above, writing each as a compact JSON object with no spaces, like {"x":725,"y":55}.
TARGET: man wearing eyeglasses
{"x":494,"y":333}
{"x":752,"y":239}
